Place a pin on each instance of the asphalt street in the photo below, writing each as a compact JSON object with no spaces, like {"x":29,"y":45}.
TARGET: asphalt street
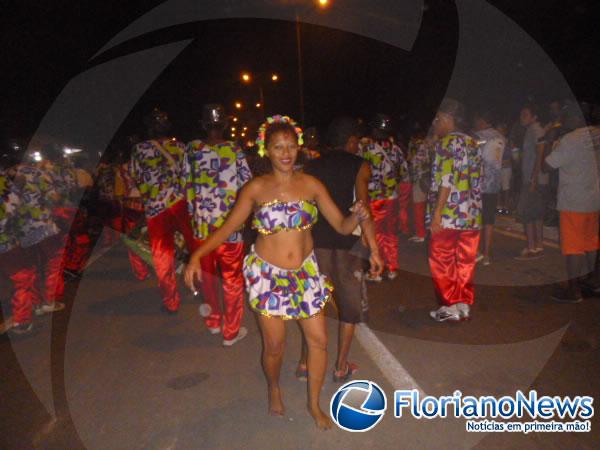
{"x":112,"y":372}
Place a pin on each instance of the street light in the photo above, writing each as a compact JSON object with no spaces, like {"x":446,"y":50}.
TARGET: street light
{"x":238,"y":105}
{"x":247,"y":78}
{"x":323,"y":3}
{"x":232,"y":128}
{"x":235,"y":119}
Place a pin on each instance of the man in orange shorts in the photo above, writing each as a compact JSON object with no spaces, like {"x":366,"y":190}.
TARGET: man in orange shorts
{"x":578,"y":203}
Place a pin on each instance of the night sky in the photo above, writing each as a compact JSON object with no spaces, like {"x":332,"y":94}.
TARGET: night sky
{"x":47,"y":43}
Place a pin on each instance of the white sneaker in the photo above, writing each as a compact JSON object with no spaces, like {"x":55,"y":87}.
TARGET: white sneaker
{"x":392,"y":275}
{"x":446,"y":313}
{"x":373,"y":279}
{"x":416,"y":239}
{"x":49,"y":308}
{"x":464,"y":311}
{"x":479,"y":257}
{"x":241,"y":335}
{"x":215,"y":330}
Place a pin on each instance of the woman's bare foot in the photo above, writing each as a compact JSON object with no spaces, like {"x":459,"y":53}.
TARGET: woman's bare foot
{"x":322,"y":420}
{"x":276,"y":407}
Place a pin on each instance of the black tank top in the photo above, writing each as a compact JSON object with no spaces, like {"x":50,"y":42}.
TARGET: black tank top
{"x":337,"y":170}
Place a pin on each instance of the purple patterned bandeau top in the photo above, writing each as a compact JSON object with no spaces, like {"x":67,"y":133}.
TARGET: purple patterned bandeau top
{"x":275,"y":216}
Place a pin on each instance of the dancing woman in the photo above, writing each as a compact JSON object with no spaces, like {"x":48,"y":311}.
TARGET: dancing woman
{"x":281,"y":272}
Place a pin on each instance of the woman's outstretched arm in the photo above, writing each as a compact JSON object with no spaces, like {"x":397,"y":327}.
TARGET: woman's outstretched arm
{"x":240,"y":212}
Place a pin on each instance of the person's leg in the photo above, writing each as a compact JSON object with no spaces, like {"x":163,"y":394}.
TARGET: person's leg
{"x":162,"y":244}
{"x":526,"y":210}
{"x":230,"y":257}
{"x":302,"y":368}
{"x":442,"y":263}
{"x":183,"y":223}
{"x":378,"y":211}
{"x":487,"y":239}
{"x":52,"y":268}
{"x":391,"y":234}
{"x":130,"y":220}
{"x":419,"y":209}
{"x":490,"y":203}
{"x":466,"y":254}
{"x":273,"y":335}
{"x":593,"y":280}
{"x":405,"y":193}
{"x":210,"y":291}
{"x":572,"y":242}
{"x":345,"y":335}
{"x":25,"y":295}
{"x":315,"y":333}
{"x":350,"y":297}
{"x":576,"y":268}
{"x":530,"y":233}
{"x":18,"y":266}
{"x":539,"y":234}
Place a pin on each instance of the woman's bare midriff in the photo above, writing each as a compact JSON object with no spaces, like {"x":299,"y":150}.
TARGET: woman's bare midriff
{"x":285,"y":249}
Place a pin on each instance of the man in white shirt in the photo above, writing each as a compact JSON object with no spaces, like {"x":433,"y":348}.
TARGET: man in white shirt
{"x":576,"y":158}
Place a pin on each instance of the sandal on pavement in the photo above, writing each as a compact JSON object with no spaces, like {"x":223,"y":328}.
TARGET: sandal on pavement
{"x":340,"y":377}
{"x":302,"y":372}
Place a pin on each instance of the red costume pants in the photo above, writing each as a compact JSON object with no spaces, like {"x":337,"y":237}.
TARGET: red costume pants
{"x":385,"y":217}
{"x":50,"y":255}
{"x":79,"y":243}
{"x":225,"y":262}
{"x":404,"y":200}
{"x":131,"y":218}
{"x":19,"y":267}
{"x":161,"y":231}
{"x":452,"y":255}
{"x":419,"y":218}
{"x":74,"y":225}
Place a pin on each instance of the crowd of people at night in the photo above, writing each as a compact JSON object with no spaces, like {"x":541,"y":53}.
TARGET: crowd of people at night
{"x":247,"y":218}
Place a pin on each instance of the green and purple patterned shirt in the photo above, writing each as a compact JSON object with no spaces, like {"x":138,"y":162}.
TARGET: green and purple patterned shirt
{"x":158,"y":178}
{"x":213,"y":175}
{"x":457,"y":166}
{"x":9,"y":204}
{"x":388,"y":168}
{"x":35,"y":188}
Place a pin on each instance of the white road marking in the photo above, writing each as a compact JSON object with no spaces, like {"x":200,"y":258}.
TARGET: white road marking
{"x":389,"y":365}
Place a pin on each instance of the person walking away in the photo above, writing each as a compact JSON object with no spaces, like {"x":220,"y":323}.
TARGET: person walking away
{"x":532,"y":200}
{"x":155,"y":166}
{"x":215,"y":170}
{"x":493,"y":145}
{"x":454,"y":213}
{"x":385,"y":160}
{"x":576,"y":158}
{"x":346,"y":177}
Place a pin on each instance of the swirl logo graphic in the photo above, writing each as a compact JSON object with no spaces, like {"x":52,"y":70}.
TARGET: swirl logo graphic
{"x":358,"y":406}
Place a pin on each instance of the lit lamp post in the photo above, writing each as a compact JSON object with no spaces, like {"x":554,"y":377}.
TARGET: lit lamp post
{"x":322,"y":4}
{"x":247,"y":79}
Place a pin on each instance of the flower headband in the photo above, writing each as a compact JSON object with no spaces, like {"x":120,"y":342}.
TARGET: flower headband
{"x":260,"y":140}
